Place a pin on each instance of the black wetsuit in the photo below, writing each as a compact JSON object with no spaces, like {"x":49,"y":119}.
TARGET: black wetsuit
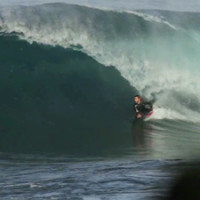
{"x":143,"y":108}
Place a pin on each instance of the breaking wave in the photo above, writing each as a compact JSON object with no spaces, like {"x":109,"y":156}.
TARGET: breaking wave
{"x":53,"y":81}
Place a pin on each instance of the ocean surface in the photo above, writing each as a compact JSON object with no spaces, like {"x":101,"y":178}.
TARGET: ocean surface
{"x":68,"y":76}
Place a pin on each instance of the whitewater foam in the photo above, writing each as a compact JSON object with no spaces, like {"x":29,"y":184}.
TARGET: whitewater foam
{"x":162,"y":113}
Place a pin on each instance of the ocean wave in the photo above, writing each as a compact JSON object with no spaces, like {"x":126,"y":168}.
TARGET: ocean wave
{"x":157,"y":55}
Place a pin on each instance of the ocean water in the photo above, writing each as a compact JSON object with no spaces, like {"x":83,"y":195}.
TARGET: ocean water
{"x":69,"y":73}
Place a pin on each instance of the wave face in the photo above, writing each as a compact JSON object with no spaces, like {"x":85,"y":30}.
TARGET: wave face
{"x":53,"y":82}
{"x":59,"y":100}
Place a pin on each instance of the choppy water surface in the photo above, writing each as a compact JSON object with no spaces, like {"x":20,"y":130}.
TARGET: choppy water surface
{"x":56,"y":178}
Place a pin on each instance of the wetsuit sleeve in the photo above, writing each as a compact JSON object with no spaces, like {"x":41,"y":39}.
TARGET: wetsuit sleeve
{"x":136,"y":108}
{"x":148,"y":106}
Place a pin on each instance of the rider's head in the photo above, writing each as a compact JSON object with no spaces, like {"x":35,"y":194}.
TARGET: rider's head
{"x":137,"y":99}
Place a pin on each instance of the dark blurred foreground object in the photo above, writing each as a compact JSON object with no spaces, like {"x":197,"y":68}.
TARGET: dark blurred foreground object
{"x":186,"y":186}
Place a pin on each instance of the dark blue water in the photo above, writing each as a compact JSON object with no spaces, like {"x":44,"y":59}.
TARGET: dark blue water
{"x":100,"y":178}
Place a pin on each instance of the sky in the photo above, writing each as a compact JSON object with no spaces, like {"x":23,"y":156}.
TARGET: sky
{"x":178,"y":5}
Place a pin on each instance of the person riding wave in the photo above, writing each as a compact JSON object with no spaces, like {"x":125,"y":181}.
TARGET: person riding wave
{"x":142,"y":108}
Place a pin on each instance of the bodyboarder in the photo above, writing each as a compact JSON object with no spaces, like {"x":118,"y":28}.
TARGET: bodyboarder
{"x":142,"y":108}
